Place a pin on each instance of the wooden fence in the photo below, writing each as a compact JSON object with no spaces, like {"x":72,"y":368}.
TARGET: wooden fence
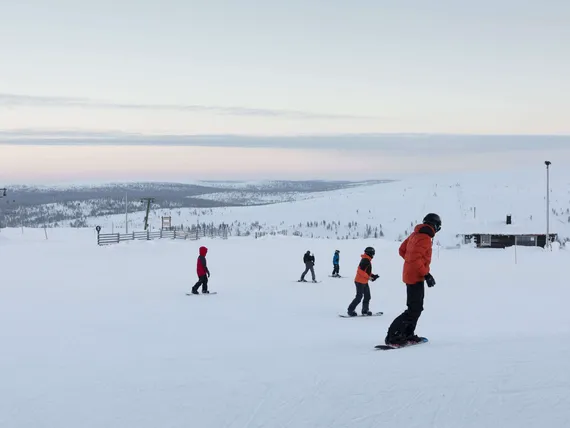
{"x":193,"y":235}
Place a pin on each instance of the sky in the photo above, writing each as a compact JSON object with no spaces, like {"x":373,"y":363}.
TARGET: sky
{"x":75,"y":71}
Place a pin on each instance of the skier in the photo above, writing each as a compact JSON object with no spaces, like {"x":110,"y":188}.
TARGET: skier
{"x":416,"y":251}
{"x":336,"y":267}
{"x":363,"y":275}
{"x":309,"y":261}
{"x":202,"y":271}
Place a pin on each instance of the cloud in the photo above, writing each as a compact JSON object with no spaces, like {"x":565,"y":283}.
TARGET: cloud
{"x":427,"y":146}
{"x":15,"y":100}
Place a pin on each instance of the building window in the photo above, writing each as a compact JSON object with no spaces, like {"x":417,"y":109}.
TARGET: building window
{"x":529,"y":241}
{"x":485,"y":240}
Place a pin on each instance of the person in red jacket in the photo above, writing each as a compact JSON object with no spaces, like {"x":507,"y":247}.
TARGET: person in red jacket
{"x":202,"y":271}
{"x":416,"y":251}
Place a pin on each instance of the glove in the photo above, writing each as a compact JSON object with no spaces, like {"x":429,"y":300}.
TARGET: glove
{"x":208,"y":273}
{"x":374,"y":277}
{"x":430,"y":280}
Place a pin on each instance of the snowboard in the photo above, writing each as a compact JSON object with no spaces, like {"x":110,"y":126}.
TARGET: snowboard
{"x":332,"y":276}
{"x":202,"y":294}
{"x":374,"y":314}
{"x":388,"y":347}
{"x":310,"y":282}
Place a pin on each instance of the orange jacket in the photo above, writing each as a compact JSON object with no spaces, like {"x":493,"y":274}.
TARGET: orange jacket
{"x":364,"y":269}
{"x":416,"y":252}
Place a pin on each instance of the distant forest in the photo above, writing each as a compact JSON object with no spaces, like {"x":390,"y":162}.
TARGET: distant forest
{"x":31,"y":206}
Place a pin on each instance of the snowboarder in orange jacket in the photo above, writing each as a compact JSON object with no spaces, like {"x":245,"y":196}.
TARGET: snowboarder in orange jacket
{"x":363,"y":275}
{"x":416,"y":251}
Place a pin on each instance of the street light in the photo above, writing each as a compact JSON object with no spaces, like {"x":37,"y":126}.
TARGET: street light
{"x":547,"y":163}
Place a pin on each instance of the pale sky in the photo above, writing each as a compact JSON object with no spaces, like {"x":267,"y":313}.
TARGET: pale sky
{"x":111,"y":158}
{"x":264,"y":67}
{"x":491,"y":66}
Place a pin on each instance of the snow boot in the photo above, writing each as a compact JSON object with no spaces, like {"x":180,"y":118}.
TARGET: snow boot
{"x":395,"y":341}
{"x":414,"y":339}
{"x":352,"y":314}
{"x":195,"y":292}
{"x":367,"y":313}
{"x":205,"y":292}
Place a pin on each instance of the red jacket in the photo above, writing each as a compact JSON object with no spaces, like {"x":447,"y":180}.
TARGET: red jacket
{"x":416,"y":252}
{"x":201,"y":265}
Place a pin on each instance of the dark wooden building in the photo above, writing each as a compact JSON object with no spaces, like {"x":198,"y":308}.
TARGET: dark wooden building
{"x":497,"y":240}
{"x":507,"y":234}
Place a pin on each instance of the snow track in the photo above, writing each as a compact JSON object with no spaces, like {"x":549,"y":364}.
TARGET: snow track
{"x":105,"y":337}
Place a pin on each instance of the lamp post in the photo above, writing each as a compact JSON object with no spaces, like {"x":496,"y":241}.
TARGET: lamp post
{"x":126,"y":214}
{"x":547,"y":163}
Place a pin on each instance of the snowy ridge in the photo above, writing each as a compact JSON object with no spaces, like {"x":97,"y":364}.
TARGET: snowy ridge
{"x":255,"y":198}
{"x":46,"y":205}
{"x":467,"y":203}
{"x":251,"y":185}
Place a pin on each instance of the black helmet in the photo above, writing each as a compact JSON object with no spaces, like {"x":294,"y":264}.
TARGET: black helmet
{"x":369,"y":251}
{"x":337,"y":251}
{"x":433,"y":220}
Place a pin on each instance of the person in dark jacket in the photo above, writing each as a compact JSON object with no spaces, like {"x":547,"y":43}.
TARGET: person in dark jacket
{"x":309,"y":260}
{"x":336,"y":266}
{"x":202,"y":271}
{"x":416,"y":251}
{"x":363,"y":275}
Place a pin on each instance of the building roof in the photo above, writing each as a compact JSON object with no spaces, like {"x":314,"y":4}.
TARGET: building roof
{"x":502,"y":228}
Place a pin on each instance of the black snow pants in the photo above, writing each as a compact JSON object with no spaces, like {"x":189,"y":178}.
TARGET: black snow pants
{"x":362,"y":290}
{"x":202,"y":281}
{"x":405,"y":324}
{"x":308,"y":267}
{"x":336,"y":270}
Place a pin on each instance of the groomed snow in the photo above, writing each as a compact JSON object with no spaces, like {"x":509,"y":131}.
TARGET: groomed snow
{"x":106,"y":337}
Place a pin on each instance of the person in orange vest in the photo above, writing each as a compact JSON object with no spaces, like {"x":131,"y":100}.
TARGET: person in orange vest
{"x":363,"y":275}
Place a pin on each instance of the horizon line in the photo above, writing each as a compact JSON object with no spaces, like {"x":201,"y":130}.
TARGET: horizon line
{"x":16,"y":132}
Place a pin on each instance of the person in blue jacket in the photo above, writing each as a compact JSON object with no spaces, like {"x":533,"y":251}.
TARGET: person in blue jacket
{"x":336,"y":267}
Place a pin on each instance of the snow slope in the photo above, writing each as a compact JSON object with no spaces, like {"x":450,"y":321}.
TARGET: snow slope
{"x":106,"y":337}
{"x":467,"y":203}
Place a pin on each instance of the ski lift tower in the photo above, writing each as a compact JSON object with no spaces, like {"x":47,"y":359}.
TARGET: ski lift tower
{"x":148,"y":202}
{"x":2,"y":195}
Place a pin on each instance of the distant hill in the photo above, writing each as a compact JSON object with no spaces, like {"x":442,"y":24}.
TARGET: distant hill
{"x":467,"y":203}
{"x":35,"y":206}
